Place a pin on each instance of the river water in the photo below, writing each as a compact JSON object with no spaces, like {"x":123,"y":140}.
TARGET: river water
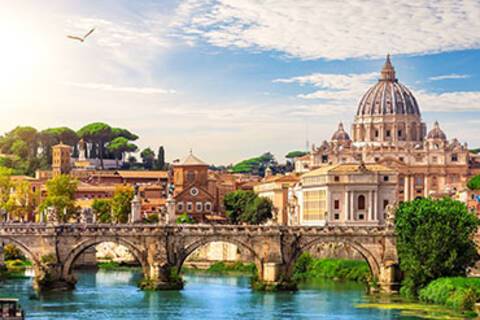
{"x":114,"y":295}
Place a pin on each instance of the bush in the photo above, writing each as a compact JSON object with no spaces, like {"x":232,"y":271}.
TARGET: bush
{"x":184,"y":218}
{"x":458,"y":292}
{"x":474,"y":183}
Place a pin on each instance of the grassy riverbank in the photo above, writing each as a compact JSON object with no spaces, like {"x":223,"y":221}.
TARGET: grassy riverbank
{"x":308,"y":267}
{"x":457,"y":293}
{"x":116,"y":266}
{"x":14,"y":269}
{"x":225,"y":268}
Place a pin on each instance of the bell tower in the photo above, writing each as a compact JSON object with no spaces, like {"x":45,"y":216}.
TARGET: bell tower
{"x":61,"y":159}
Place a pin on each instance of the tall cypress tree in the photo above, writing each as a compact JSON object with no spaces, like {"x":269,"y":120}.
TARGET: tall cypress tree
{"x":161,"y":158}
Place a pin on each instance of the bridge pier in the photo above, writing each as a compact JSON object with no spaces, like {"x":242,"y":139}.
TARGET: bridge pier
{"x":162,"y":277}
{"x":50,"y":278}
{"x":389,"y":277}
{"x":273,"y":277}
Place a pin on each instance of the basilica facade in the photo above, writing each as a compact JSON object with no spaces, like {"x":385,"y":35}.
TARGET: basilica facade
{"x":387,"y":131}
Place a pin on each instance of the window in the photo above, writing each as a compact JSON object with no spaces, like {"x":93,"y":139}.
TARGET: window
{"x":361,"y":202}
{"x":336,"y":178}
{"x":401,"y":159}
{"x":388,"y":133}
{"x":198,"y":206}
{"x":386,"y":178}
{"x":190,"y":176}
{"x":377,"y":159}
{"x":336,"y":204}
{"x":376,"y":133}
{"x":361,"y":216}
{"x":208,"y":206}
{"x":399,"y":133}
{"x":324,"y":158}
{"x":180,"y":207}
{"x":336,"y":216}
{"x":385,"y":204}
{"x":189,"y":207}
{"x":454,"y":157}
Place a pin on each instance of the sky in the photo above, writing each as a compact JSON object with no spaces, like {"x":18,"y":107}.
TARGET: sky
{"x":232,"y":79}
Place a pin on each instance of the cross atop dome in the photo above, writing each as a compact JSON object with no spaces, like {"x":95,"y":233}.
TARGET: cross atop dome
{"x":388,"y":71}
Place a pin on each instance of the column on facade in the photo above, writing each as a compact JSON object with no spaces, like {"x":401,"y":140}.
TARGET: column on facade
{"x":395,"y":133}
{"x":368,"y":131}
{"x":375,"y":205}
{"x":346,"y":207}
{"x":382,"y":132}
{"x":408,"y":133}
{"x":406,"y":188}
{"x":412,"y":187}
{"x":426,"y":186}
{"x":352,"y":207}
{"x":370,"y":205}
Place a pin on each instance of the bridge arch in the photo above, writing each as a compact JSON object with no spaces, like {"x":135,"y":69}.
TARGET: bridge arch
{"x":193,"y":246}
{"x":26,"y":251}
{"x":368,"y":256}
{"x":79,"y":248}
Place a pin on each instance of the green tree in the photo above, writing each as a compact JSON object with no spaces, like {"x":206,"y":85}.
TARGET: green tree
{"x":184,"y":218}
{"x":99,"y":134}
{"x":247,"y":207}
{"x":434,"y":239}
{"x":122,"y":203}
{"x":161,"y":158}
{"x":61,"y":197}
{"x":256,"y":165}
{"x":148,"y":158}
{"x":124,"y":133}
{"x":52,"y":136}
{"x":5,"y":186}
{"x":102,"y":208}
{"x":474,"y":183}
{"x":295,"y":154}
{"x":23,"y":201}
{"x":258,"y":211}
{"x":119,"y":146}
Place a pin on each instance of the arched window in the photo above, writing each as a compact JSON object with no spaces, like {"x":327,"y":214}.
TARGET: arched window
{"x":361,"y":202}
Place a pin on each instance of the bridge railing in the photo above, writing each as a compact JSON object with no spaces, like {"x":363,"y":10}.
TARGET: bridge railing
{"x":42,"y":228}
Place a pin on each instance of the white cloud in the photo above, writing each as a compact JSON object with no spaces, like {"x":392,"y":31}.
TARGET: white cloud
{"x":340,"y":91}
{"x":452,"y":76}
{"x":109,"y":87}
{"x":448,"y":101}
{"x":334,"y":87}
{"x":331,"y":29}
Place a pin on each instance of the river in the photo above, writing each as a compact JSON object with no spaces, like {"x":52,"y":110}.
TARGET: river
{"x":114,"y":295}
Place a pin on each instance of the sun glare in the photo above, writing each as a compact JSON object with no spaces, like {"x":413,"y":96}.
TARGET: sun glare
{"x":21,"y":55}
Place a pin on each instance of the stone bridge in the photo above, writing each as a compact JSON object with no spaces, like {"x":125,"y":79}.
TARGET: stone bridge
{"x":162,"y":249}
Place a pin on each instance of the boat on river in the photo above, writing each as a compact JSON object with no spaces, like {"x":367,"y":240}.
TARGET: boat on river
{"x":10,"y":310}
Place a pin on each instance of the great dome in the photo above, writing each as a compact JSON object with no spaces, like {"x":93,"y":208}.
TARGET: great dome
{"x":388,"y":96}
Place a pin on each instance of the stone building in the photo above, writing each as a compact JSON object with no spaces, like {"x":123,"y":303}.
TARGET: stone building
{"x":343,"y":194}
{"x":388,"y":130}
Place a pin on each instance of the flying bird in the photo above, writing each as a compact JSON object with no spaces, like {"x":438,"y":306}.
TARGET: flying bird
{"x":81,"y":39}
